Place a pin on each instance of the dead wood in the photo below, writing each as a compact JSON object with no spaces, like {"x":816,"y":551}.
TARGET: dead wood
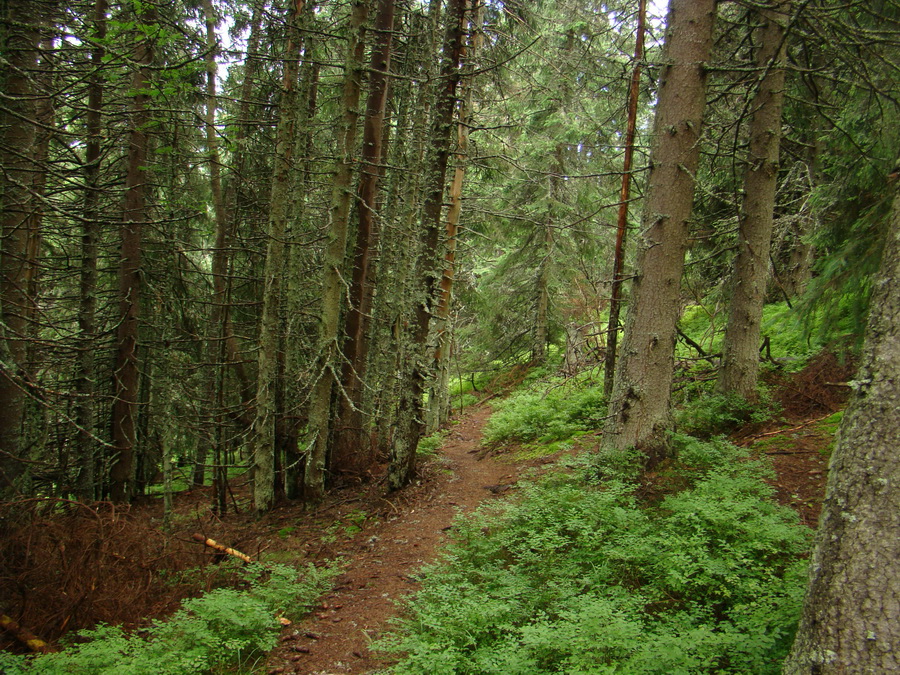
{"x":220,"y":548}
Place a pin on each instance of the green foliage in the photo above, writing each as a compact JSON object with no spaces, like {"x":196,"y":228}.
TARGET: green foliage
{"x":794,"y":338}
{"x":714,"y":414}
{"x":579,"y":578}
{"x":557,"y":414}
{"x":221,"y":627}
{"x":429,"y":445}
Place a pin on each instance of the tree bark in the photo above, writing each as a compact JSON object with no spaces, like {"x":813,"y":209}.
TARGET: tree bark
{"x":85,"y":413}
{"x":639,"y":409}
{"x":134,"y":214}
{"x":851,"y":616}
{"x":17,"y":126}
{"x":439,"y":392}
{"x":615,"y":300}
{"x":264,"y":423}
{"x":740,"y":351}
{"x":336,"y":248}
{"x":411,"y":413}
{"x":348,"y":454}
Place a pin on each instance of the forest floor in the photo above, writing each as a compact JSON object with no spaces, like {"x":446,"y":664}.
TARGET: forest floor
{"x":382,"y":559}
{"x":378,"y":541}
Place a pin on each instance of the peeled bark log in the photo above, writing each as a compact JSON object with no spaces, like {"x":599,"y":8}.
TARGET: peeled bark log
{"x":23,"y":635}
{"x":216,"y":546}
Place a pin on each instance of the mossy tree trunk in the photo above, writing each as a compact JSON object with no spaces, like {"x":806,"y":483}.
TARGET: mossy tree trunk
{"x":279,"y":210}
{"x":639,"y":408}
{"x":411,"y":411}
{"x":851,"y":616}
{"x":333,"y":284}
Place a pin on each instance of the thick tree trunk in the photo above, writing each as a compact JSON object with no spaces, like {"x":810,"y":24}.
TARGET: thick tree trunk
{"x":639,"y":409}
{"x":411,"y":412}
{"x":134,"y":215}
{"x":851,"y":616}
{"x":279,"y":210}
{"x":740,"y":352}
{"x":19,"y":50}
{"x":333,"y":282}
{"x":348,"y":454}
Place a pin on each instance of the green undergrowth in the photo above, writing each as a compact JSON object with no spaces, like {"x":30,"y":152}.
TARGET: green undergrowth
{"x":581,"y":576}
{"x":224,"y":629}
{"x":710,"y":414}
{"x":547,"y":411}
{"x":794,"y":338}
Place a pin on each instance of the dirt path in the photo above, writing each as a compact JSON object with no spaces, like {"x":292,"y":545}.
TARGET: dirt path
{"x":380,"y":570}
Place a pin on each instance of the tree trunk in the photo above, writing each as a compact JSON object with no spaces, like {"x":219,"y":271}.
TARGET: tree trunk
{"x":639,"y":409}
{"x":134,"y":215}
{"x":851,"y":616}
{"x":740,"y":357}
{"x":439,"y":393}
{"x":348,"y":453}
{"x":264,"y":424}
{"x":411,"y":413}
{"x":20,"y":51}
{"x":85,"y":413}
{"x":336,"y":248}
{"x":615,"y":300}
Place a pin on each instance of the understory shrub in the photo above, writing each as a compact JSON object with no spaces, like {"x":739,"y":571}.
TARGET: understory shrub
{"x":221,"y":627}
{"x":554,"y":414}
{"x":713,"y":414}
{"x":577,"y":578}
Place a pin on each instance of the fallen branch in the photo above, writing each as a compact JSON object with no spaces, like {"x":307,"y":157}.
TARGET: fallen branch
{"x":797,"y":428}
{"x":23,"y":635}
{"x":221,"y":549}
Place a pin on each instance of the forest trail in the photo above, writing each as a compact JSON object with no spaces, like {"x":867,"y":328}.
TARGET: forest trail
{"x":335,"y":638}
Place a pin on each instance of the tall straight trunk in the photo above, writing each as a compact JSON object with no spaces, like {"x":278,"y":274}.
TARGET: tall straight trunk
{"x":740,"y":352}
{"x":85,"y":379}
{"x":540,"y":330}
{"x":295,"y":341}
{"x":35,"y":423}
{"x":17,"y":126}
{"x":399,"y":244}
{"x":615,"y":300}
{"x":348,"y":455}
{"x":222,"y":345}
{"x":439,"y":392}
{"x":639,"y":408}
{"x":264,"y":424}
{"x":851,"y":615}
{"x":411,"y":413}
{"x":221,"y":317}
{"x":134,"y":214}
{"x":335,"y":251}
